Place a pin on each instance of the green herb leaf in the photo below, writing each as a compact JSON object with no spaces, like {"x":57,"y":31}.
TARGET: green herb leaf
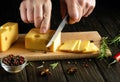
{"x":54,"y":65}
{"x":115,"y":40}
{"x":29,"y":63}
{"x":103,"y":48}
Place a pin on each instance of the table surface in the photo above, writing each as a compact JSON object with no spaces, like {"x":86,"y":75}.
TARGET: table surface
{"x":107,"y":23}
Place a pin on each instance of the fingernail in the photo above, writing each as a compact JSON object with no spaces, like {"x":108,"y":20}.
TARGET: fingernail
{"x":71,"y":21}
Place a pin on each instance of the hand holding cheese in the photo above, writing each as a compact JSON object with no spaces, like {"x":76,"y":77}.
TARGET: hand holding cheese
{"x":8,"y":35}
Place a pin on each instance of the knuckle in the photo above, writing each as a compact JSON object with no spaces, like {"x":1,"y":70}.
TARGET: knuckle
{"x":30,"y":19}
{"x":39,"y":18}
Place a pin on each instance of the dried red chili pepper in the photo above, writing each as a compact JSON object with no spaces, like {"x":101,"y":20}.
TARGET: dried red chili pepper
{"x":116,"y":58}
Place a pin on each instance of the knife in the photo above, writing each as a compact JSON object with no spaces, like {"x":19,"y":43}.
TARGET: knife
{"x":59,"y":29}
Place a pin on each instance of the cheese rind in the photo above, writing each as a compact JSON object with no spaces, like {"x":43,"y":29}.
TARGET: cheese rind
{"x":37,"y":41}
{"x":8,"y":35}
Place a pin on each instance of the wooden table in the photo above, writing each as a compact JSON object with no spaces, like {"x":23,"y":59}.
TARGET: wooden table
{"x":107,"y":23}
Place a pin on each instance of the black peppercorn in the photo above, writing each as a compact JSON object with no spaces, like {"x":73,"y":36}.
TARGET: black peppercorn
{"x":12,"y":60}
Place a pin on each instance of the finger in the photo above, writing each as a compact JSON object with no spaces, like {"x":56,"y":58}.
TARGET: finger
{"x":47,"y":16}
{"x":23,"y":12}
{"x":89,"y":7}
{"x":38,"y":15}
{"x":73,"y":11}
{"x":30,"y":14}
{"x":89,"y":11}
{"x":63,"y":8}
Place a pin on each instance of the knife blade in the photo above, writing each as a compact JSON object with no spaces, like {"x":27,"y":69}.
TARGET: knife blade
{"x":59,"y":29}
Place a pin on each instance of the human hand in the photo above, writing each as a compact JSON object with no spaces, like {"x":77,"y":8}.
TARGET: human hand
{"x":76,"y":9}
{"x":37,"y":12}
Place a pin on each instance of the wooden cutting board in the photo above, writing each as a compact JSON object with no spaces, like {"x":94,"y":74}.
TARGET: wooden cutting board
{"x":18,"y":48}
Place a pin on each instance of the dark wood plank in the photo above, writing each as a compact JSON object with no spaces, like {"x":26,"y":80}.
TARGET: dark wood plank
{"x":3,"y":75}
{"x":110,"y":74}
{"x":86,"y":71}
{"x":56,"y":75}
{"x":8,"y":77}
{"x":104,"y":18}
{"x":93,"y":23}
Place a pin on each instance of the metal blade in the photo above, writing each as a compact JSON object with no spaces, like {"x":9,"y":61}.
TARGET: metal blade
{"x":60,"y":27}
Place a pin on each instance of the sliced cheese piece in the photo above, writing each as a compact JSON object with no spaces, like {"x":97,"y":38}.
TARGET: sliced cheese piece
{"x":92,"y":48}
{"x":77,"y":47}
{"x":8,"y":35}
{"x":56,"y":43}
{"x":84,"y":45}
{"x":68,"y":45}
{"x":37,"y":41}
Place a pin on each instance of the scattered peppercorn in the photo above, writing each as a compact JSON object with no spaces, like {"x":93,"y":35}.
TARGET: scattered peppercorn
{"x":12,"y":60}
{"x":45,"y":72}
{"x":85,"y":64}
{"x":71,"y":70}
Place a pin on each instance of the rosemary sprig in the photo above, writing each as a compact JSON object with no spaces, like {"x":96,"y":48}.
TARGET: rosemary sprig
{"x":103,"y":48}
{"x":54,"y":65}
{"x":115,"y":40}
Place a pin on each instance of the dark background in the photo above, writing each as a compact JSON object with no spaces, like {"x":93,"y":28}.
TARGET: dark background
{"x":9,"y":11}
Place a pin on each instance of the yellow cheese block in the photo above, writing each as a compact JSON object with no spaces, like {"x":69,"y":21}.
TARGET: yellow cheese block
{"x":37,"y":41}
{"x":55,"y":45}
{"x":68,"y":45}
{"x":8,"y":35}
{"x":91,"y":48}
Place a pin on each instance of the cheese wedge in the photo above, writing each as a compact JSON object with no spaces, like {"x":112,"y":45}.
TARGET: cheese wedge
{"x":56,"y":43}
{"x":68,"y":45}
{"x":91,"y":48}
{"x":37,"y":41}
{"x":8,"y":35}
